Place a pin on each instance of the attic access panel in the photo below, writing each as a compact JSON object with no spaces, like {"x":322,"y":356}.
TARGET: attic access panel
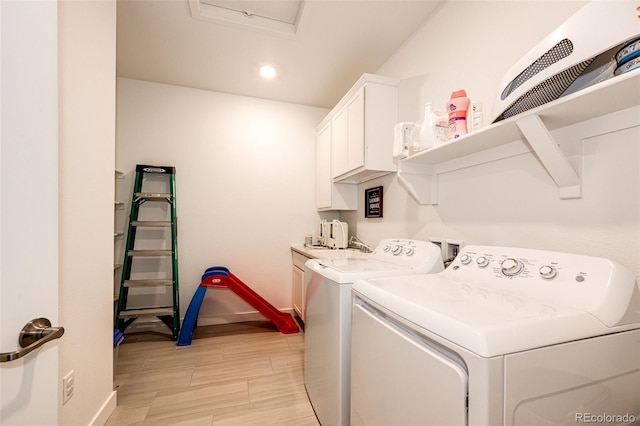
{"x":280,"y":16}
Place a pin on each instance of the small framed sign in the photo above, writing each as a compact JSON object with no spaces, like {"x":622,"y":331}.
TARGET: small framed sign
{"x":373,"y":202}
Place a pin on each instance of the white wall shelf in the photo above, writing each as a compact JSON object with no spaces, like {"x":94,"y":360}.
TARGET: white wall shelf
{"x":118,"y":205}
{"x":526,"y":132}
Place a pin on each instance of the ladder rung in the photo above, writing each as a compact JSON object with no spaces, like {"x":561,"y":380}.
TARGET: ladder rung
{"x":145,"y":311}
{"x":147,"y":283}
{"x":143,"y":168}
{"x":153,"y":196}
{"x":149,"y":253}
{"x":151,"y":223}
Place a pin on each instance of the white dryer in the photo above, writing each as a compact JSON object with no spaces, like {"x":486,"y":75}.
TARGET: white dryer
{"x":503,"y":336}
{"x":328,"y":316}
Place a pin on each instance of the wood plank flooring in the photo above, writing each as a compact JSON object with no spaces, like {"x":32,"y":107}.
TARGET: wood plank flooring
{"x":236,"y":374}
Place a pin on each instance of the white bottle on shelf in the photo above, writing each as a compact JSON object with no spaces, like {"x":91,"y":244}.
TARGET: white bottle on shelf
{"x":427,"y":137}
{"x":477,"y":119}
{"x":431,"y":131}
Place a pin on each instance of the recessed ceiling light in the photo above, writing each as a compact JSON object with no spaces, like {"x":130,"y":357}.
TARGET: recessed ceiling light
{"x":267,"y":71}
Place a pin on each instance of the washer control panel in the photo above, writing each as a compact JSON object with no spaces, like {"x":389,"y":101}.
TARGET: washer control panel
{"x":587,"y":283}
{"x":400,"y":247}
{"x":410,"y":253}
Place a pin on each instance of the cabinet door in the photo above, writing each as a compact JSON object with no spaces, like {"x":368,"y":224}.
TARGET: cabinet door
{"x":323,"y":167}
{"x":330,"y":196}
{"x":340,"y":142}
{"x":348,"y":136}
{"x":298,"y":292}
{"x":355,"y":131}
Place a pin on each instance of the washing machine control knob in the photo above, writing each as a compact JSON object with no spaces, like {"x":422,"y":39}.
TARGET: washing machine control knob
{"x":387,"y":248}
{"x":409,"y":251}
{"x":482,"y":261}
{"x":511,"y":267}
{"x":548,"y":272}
{"x":465,"y":259}
{"x":396,"y":249}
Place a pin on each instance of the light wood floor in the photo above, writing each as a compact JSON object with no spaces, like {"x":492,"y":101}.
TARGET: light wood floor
{"x":243,"y":374}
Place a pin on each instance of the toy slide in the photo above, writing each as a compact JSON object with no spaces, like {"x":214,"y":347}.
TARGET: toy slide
{"x":221,"y":277}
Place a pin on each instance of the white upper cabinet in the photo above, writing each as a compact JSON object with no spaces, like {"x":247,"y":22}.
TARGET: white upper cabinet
{"x":348,"y":141}
{"x":362,"y":135}
{"x":355,"y":141}
{"x":329,"y":195}
{"x":339,"y":142}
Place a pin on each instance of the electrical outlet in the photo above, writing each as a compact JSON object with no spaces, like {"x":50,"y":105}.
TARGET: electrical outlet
{"x":449,"y":248}
{"x":453,"y":248}
{"x":68,"y":386}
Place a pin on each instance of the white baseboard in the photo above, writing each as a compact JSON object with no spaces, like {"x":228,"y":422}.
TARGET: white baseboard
{"x":154,"y":324}
{"x":105,"y":411}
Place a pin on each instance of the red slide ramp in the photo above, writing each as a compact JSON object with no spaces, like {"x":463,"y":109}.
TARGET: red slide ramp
{"x":221,"y":277}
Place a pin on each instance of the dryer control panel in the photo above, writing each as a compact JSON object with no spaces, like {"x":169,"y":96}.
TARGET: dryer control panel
{"x":600,"y":286}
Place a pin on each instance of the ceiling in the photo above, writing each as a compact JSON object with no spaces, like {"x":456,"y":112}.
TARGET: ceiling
{"x":318,"y":47}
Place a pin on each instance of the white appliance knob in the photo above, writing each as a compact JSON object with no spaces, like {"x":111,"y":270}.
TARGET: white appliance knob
{"x":547,"y":272}
{"x":465,"y":259}
{"x":511,"y":267}
{"x":387,"y":248}
{"x":396,"y":250}
{"x":409,"y":251}
{"x":482,"y":261}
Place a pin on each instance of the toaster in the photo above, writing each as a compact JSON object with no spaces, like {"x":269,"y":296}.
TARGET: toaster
{"x":338,"y":236}
{"x":323,"y":232}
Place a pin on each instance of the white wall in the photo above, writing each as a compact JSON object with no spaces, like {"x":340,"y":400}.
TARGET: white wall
{"x":245,"y":173}
{"x":510,"y":202}
{"x":86,"y":64}
{"x":245,"y":167}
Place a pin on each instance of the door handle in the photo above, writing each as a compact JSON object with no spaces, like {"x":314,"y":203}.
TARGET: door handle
{"x":34,"y":334}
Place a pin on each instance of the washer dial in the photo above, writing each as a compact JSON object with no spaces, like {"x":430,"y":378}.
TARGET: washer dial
{"x":511,"y":267}
{"x":482,"y":261}
{"x":548,"y":272}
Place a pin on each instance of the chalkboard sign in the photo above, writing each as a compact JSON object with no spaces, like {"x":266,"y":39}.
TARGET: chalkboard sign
{"x":373,"y":202}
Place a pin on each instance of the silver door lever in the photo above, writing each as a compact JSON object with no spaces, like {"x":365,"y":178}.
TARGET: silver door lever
{"x":34,"y":334}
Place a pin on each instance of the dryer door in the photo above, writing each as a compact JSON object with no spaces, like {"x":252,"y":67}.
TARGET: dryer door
{"x":399,"y":377}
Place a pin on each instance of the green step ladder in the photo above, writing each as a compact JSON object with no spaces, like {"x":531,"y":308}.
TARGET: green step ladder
{"x":167,"y":312}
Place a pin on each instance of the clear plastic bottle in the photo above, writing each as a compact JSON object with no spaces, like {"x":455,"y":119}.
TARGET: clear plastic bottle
{"x":426,"y":137}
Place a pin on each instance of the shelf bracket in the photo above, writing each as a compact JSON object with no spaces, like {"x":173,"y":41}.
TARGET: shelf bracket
{"x":554,"y":161}
{"x":420,"y":182}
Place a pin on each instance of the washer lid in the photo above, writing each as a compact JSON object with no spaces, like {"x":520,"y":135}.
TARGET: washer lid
{"x":347,"y":270}
{"x":486,"y":321}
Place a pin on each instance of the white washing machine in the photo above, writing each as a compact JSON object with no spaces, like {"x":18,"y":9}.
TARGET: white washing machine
{"x":328,"y":316}
{"x":503,"y":336}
